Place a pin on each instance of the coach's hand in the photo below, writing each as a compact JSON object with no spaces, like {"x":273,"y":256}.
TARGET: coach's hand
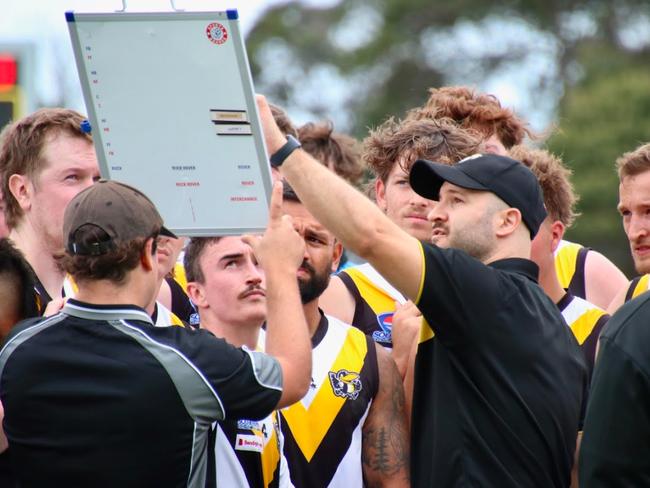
{"x":273,"y":136}
{"x":407,"y":321}
{"x":281,"y":247}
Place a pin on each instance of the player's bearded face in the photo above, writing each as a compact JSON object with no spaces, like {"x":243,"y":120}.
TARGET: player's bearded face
{"x":313,"y":282}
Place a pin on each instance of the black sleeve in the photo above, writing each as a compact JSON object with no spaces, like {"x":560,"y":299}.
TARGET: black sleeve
{"x":248,"y":384}
{"x":456,"y":289}
{"x":614,"y":450}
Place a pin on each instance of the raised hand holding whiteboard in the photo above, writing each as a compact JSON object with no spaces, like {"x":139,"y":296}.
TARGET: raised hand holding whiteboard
{"x":170,"y":99}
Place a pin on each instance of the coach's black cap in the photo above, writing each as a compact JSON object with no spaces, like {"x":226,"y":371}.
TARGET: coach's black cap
{"x":120,"y":210}
{"x":508,"y":179}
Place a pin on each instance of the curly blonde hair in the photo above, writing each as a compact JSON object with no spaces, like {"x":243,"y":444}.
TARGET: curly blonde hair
{"x":473,"y":110}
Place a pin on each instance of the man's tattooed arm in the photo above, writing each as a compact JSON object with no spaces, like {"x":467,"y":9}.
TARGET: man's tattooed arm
{"x":385,"y":449}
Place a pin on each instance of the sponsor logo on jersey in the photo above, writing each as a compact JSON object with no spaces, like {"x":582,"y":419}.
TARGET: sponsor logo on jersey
{"x":195,"y":319}
{"x":257,"y":428}
{"x":385,"y":335}
{"x":244,"y":424}
{"x":346,"y":384}
{"x":251,"y":443}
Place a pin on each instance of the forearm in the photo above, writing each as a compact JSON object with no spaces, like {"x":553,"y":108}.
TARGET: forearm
{"x":287,"y":337}
{"x":385,"y":449}
{"x":408,"y":383}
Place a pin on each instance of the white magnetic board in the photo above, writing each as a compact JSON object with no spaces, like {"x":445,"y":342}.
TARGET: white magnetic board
{"x":171,"y":104}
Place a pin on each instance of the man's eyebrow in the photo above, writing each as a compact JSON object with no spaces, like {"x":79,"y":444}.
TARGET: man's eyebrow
{"x":231,"y":256}
{"x":319,"y":231}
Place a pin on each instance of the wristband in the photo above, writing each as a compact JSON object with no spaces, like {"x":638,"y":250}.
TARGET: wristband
{"x":278,"y":157}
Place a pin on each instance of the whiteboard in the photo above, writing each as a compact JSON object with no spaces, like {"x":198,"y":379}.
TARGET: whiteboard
{"x":171,"y":103}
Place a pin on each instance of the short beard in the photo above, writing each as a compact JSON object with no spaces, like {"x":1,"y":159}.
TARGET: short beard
{"x":313,"y":287}
{"x":478,"y":241}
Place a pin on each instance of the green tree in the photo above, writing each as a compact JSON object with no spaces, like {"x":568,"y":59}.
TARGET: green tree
{"x":604,"y":115}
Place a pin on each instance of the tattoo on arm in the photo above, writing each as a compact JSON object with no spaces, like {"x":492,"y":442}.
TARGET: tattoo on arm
{"x":385,"y":439}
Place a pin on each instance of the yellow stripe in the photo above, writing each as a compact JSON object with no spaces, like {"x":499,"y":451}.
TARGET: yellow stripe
{"x":583,"y":325}
{"x":426,"y":332}
{"x":423,"y":271}
{"x":310,"y":426}
{"x":641,"y":286}
{"x":375,"y":297}
{"x":565,"y":263}
{"x":74,"y":285}
{"x":271,"y":455}
{"x":179,"y":276}
{"x":175,"y":320}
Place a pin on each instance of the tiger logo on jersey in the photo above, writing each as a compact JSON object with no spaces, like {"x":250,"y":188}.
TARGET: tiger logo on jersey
{"x":346,"y":384}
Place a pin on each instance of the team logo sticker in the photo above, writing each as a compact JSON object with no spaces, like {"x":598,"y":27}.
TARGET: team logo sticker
{"x":346,"y":384}
{"x":385,"y":335}
{"x":216,"y":32}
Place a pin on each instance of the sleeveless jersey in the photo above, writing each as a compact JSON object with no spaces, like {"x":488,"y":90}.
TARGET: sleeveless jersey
{"x":570,"y":267}
{"x":163,"y":317}
{"x":637,"y":286}
{"x":248,"y":453}
{"x":374,"y":301}
{"x":323,"y":431}
{"x":585,"y":320}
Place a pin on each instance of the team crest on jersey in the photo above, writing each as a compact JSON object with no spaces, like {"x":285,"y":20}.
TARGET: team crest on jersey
{"x":346,"y":384}
{"x":384,"y":335}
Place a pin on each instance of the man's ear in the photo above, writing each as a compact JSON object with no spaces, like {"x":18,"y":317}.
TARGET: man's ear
{"x":22,"y":190}
{"x":557,"y":233}
{"x":380,"y":194}
{"x":147,"y":256}
{"x":196,"y":292}
{"x":507,"y":222}
{"x":337,"y":253}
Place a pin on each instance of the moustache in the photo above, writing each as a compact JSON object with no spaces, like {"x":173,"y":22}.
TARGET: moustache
{"x":250,"y":289}
{"x":307,"y":267}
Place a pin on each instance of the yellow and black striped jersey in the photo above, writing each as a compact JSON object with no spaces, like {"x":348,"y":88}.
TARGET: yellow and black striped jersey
{"x":570,"y":267}
{"x":248,"y":453}
{"x":374,"y":301}
{"x":585,"y":320}
{"x":637,"y":286}
{"x":323,"y":431}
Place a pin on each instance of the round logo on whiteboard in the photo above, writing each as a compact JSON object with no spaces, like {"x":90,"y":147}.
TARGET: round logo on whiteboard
{"x":217,"y":33}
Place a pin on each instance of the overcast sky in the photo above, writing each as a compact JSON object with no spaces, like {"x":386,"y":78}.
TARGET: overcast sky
{"x":42,"y":23}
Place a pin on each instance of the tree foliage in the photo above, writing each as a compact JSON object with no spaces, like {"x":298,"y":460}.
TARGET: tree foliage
{"x":583,"y":64}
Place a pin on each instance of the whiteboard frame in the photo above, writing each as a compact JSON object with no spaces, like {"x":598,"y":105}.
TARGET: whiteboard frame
{"x":230,"y":16}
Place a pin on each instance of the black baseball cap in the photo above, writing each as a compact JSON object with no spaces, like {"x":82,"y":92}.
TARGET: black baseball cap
{"x":123,"y":212}
{"x":507,"y":178}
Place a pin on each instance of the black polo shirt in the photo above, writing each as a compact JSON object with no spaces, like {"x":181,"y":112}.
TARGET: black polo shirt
{"x":499,"y":377}
{"x":615,"y":450}
{"x":98,"y":396}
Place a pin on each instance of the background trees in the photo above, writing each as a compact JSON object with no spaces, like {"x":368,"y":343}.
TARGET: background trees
{"x":580,"y":67}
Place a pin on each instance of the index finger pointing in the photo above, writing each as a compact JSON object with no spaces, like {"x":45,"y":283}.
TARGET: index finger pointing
{"x":275,"y":209}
